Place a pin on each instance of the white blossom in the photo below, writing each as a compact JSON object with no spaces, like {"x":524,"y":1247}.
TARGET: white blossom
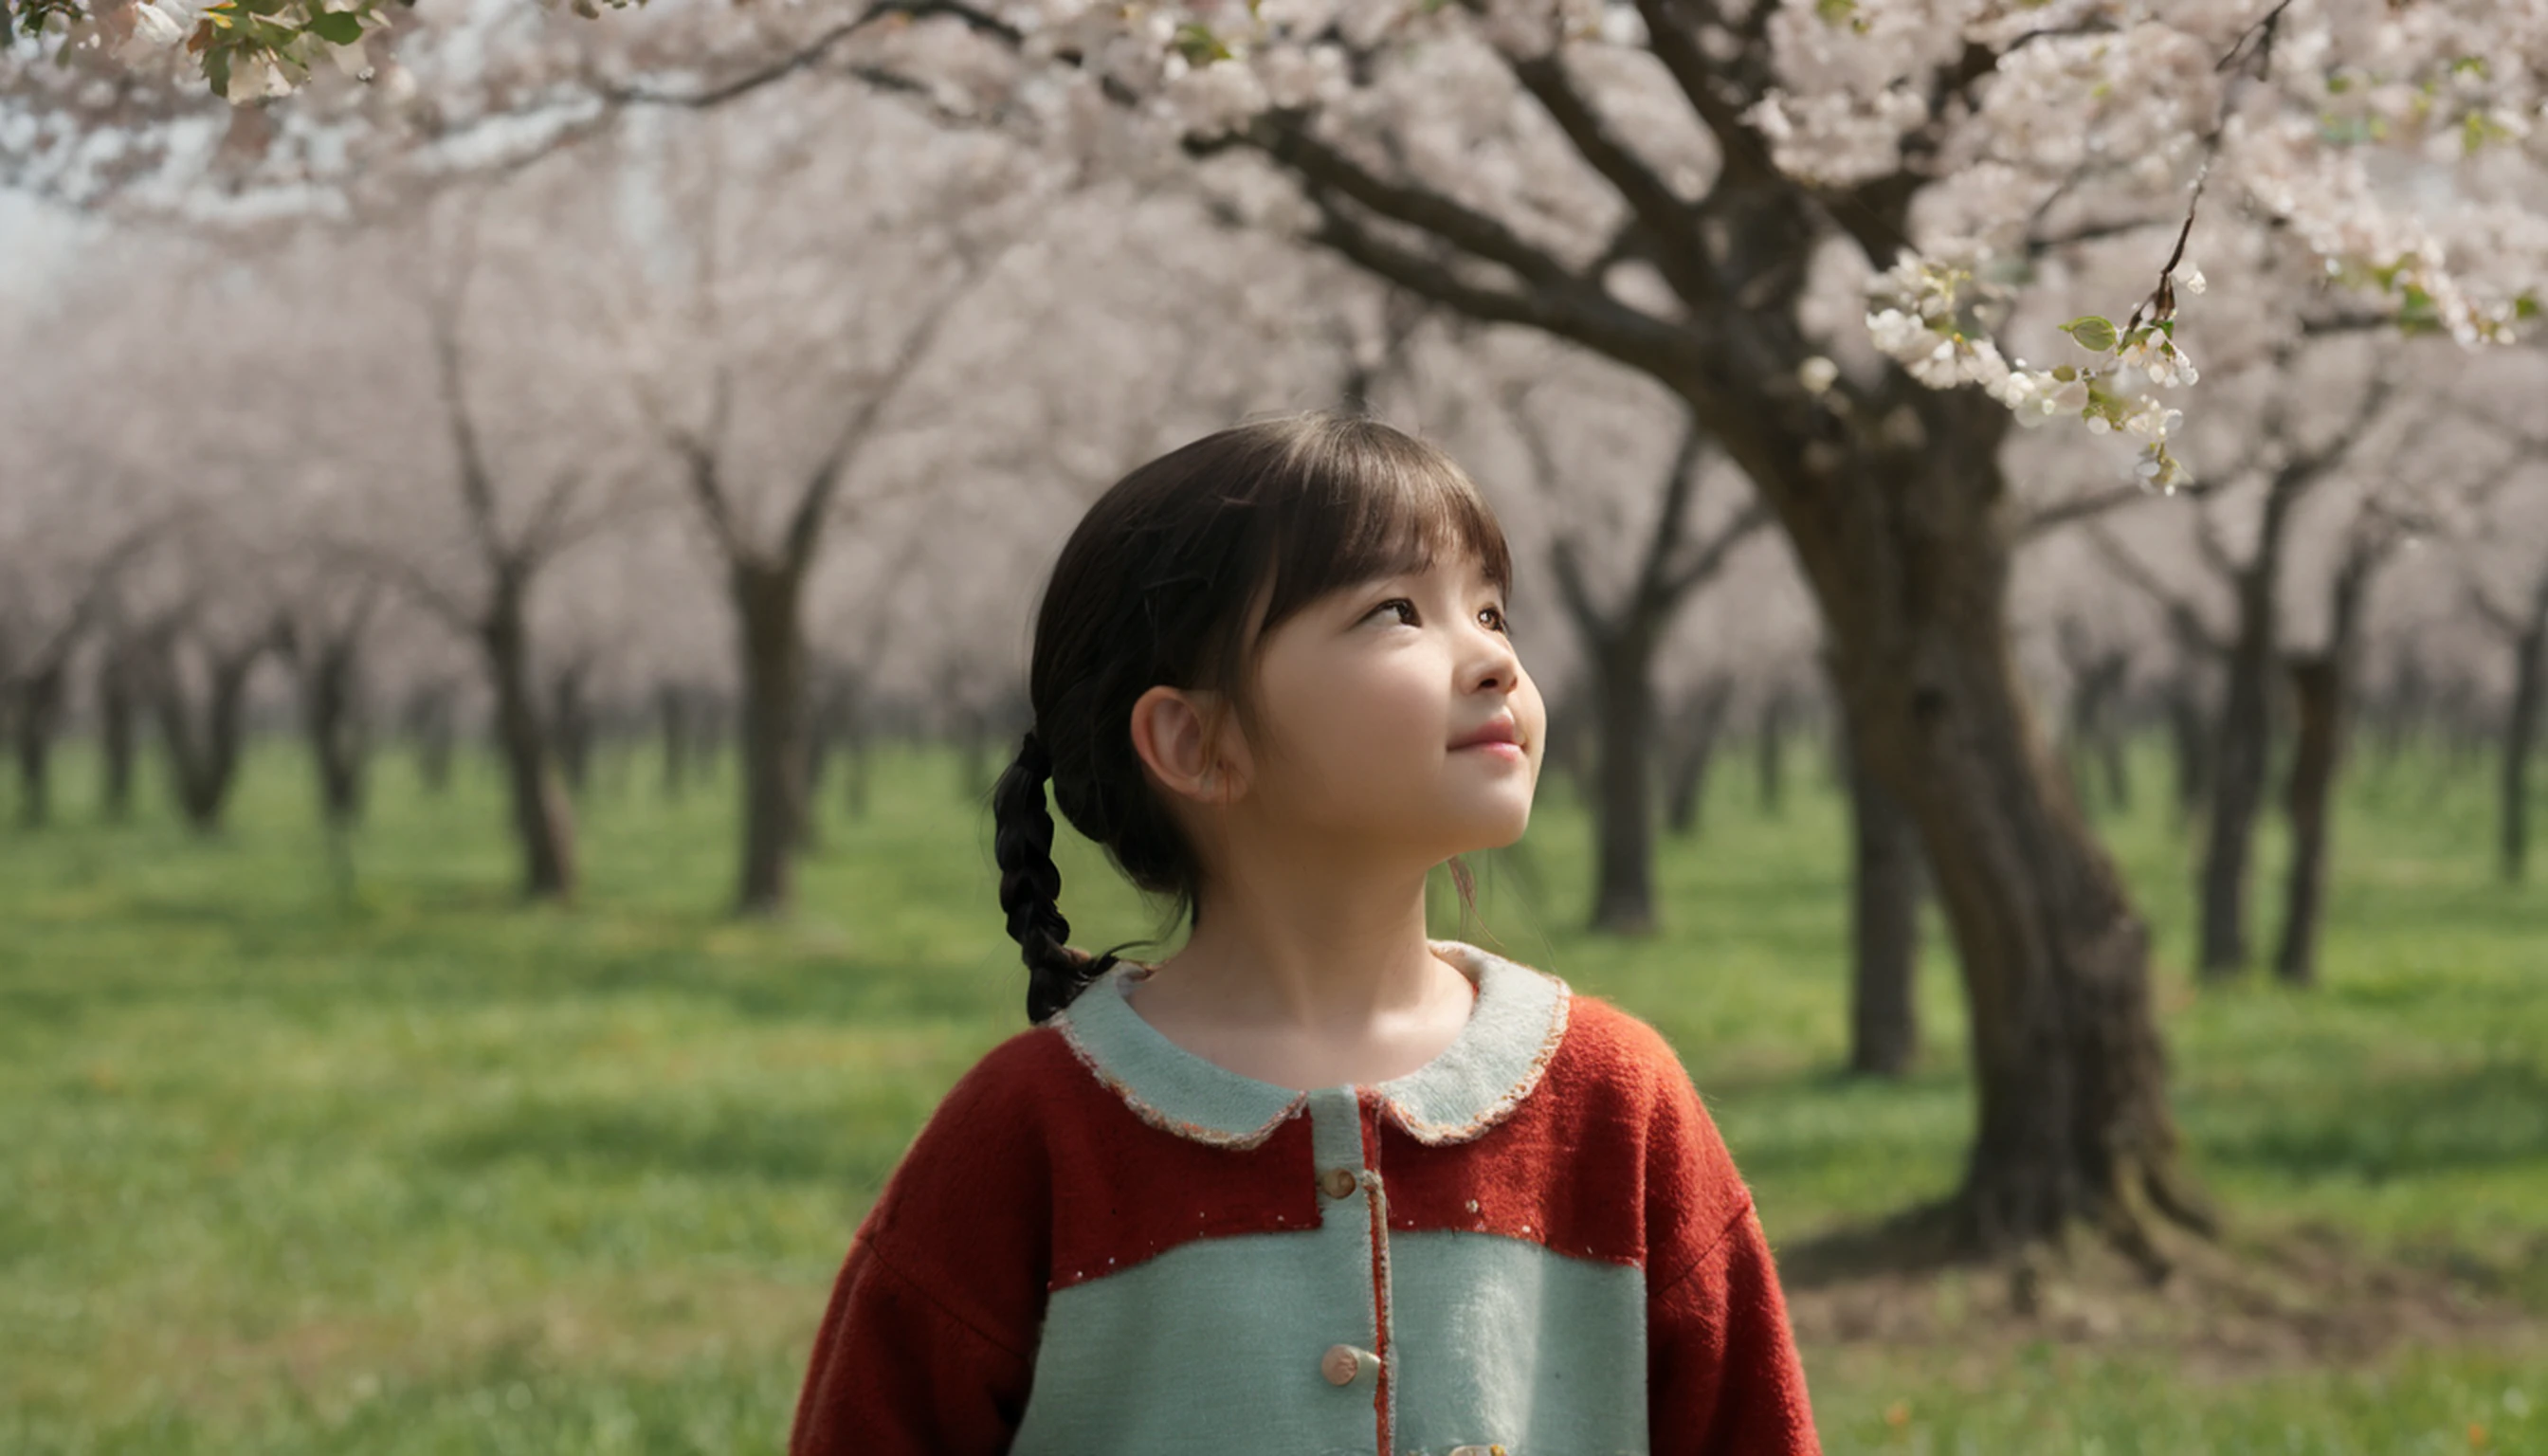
{"x":153,"y":24}
{"x":254,"y":76}
{"x":1216,"y":98}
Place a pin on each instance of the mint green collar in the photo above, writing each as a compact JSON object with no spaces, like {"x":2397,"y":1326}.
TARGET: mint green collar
{"x":1513,"y":1029}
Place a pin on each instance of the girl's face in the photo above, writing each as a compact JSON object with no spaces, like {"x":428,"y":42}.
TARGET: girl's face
{"x":1368,"y":701}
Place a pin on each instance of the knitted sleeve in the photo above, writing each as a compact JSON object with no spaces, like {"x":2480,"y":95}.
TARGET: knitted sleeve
{"x":927,"y":1348}
{"x":1722,"y":1372}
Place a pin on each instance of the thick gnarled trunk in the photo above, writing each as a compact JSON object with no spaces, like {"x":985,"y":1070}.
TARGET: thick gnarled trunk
{"x":2070,"y":1076}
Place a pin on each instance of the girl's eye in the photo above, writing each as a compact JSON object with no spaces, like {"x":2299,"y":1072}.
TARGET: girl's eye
{"x":1396,"y":602}
{"x":1493,"y":617}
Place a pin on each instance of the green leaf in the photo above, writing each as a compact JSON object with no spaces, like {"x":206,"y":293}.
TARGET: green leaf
{"x":337,"y":27}
{"x":1199,"y":46}
{"x":2091,"y":333}
{"x":217,"y":69}
{"x":2416,"y":312}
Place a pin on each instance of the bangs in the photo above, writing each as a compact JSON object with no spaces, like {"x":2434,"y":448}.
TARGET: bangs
{"x":1359,"y":501}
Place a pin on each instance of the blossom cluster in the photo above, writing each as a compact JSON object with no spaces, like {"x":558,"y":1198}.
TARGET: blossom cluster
{"x":1923,"y":313}
{"x":249,"y":51}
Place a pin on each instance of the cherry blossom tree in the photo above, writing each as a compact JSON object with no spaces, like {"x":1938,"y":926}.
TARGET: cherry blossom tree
{"x":781,"y":285}
{"x":1662,"y":184}
{"x":2285,"y":470}
{"x":2340,"y":464}
{"x":1830,"y":229}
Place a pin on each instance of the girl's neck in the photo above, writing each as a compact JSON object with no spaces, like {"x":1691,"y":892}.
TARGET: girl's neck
{"x":1309,"y":951}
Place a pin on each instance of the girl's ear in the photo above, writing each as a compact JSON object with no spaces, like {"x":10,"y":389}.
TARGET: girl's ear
{"x":1184,"y":740}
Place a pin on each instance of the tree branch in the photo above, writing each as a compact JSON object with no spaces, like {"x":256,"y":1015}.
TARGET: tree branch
{"x":460,"y":616}
{"x":1682,"y":256}
{"x":2047,"y":518}
{"x":2182,"y":615}
{"x":805,"y":524}
{"x":1744,"y":159}
{"x":1680,"y":483}
{"x":698,"y":452}
{"x":1285,"y":137}
{"x":2505,"y":621}
{"x":477,"y":486}
{"x":814,"y":51}
{"x":1718,"y":549}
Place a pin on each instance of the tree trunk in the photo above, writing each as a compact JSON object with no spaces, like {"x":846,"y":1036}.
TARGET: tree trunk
{"x":859,"y":749}
{"x":2187,"y":733}
{"x":429,"y":719}
{"x":543,"y":823}
{"x":570,"y":726}
{"x":1771,"y":746}
{"x":1901,"y":537}
{"x":2318,"y":692}
{"x":331,"y":712}
{"x":2402,"y":716}
{"x":37,"y":718}
{"x":768,"y":614}
{"x":2243,"y":739}
{"x":1701,"y":721}
{"x":2520,"y":733}
{"x":2091,"y":743}
{"x":1885,"y":927}
{"x":204,"y":750}
{"x":117,"y":731}
{"x":2321,"y":689}
{"x":1623,"y":877}
{"x":2111,"y":752}
{"x":672,"y":714}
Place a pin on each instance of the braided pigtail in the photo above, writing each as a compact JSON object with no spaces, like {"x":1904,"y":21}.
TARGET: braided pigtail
{"x":1031,"y":885}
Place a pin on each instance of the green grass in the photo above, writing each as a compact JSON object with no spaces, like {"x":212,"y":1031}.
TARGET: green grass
{"x":288,"y":1168}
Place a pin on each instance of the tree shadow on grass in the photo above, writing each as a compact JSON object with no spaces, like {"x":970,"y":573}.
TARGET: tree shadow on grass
{"x":2382,"y":1128}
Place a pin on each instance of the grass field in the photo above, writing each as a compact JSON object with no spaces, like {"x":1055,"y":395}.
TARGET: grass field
{"x":289,"y":1167}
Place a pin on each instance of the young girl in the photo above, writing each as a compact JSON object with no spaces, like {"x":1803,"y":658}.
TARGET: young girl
{"x":1314,"y":1183}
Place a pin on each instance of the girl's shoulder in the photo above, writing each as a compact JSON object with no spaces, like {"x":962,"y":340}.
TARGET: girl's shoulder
{"x":1614,"y":1046}
{"x":1024,"y":1071}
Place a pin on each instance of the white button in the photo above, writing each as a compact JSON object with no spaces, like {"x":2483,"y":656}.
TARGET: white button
{"x":1345,"y":1364}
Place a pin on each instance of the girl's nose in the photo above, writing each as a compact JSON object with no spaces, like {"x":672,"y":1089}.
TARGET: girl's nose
{"x":1497,"y":666}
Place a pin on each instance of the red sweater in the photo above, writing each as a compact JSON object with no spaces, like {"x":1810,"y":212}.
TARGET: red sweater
{"x":1100,"y":1240}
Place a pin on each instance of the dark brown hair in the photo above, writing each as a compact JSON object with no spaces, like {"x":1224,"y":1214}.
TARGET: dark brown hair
{"x":1156,"y":586}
